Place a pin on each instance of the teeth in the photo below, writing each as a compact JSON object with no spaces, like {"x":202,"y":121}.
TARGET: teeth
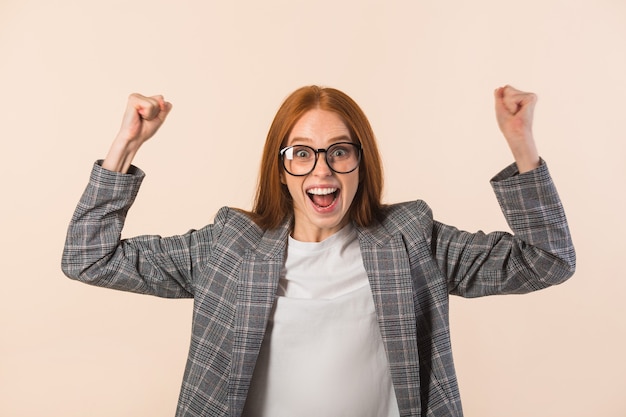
{"x":321,"y":191}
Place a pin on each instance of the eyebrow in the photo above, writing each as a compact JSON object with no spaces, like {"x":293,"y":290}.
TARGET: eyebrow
{"x":342,"y":138}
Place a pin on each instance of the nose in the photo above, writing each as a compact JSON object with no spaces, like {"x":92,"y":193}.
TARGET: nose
{"x":321,"y":167}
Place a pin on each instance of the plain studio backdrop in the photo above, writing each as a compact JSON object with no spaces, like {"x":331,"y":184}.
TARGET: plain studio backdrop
{"x":424,"y":73}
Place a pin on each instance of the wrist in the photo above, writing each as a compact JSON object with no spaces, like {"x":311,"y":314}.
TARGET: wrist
{"x":524,"y":152}
{"x":526,"y":159}
{"x":121,"y":155}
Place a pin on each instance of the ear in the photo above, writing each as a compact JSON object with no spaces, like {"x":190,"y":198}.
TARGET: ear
{"x":282,"y":178}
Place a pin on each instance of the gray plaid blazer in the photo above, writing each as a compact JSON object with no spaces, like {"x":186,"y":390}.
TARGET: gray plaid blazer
{"x":231,"y":269}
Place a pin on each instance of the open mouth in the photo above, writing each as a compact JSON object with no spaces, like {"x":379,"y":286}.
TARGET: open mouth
{"x":323,"y":197}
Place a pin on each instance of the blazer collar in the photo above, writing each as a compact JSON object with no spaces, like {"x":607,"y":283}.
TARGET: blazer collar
{"x":375,"y":235}
{"x":273,"y":243}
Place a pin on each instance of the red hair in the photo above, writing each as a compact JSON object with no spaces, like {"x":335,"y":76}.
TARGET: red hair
{"x":273,"y":203}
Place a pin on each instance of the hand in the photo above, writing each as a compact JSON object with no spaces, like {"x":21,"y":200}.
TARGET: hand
{"x":514,"y":113}
{"x":142,"y":118}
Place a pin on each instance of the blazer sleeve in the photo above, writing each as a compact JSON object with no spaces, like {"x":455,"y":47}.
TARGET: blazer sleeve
{"x":94,"y":252}
{"x":539,"y":253}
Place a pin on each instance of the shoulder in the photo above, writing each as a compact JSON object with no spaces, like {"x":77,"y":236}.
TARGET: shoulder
{"x":407,"y":214}
{"x":235,"y":232}
{"x":236,"y":223}
{"x":412,"y":219}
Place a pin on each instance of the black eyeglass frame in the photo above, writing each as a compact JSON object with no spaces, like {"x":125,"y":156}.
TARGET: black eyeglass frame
{"x":317,"y":152}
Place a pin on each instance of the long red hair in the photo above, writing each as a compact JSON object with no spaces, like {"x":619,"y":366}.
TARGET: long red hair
{"x":273,"y":203}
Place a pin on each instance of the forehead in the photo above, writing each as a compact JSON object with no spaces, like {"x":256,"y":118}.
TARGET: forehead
{"x":319,"y":126}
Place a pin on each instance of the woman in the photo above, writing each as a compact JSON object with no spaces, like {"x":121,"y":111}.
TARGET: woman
{"x":322,"y":301}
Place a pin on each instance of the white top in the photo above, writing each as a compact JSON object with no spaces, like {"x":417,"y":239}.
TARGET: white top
{"x":323,"y":354}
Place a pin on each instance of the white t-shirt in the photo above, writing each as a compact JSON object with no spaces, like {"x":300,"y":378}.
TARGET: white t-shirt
{"x":323,"y":354}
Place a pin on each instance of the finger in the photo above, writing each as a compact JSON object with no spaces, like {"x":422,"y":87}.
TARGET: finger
{"x":501,"y":108}
{"x":510,"y":99}
{"x":515,"y":100}
{"x":164,"y":107}
{"x":146,"y":107}
{"x":517,"y":96}
{"x":525,"y":102}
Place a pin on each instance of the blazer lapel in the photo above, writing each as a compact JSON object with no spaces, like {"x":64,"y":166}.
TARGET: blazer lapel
{"x":386,"y":261}
{"x":256,"y":293}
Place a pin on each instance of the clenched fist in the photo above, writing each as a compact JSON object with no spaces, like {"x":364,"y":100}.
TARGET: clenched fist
{"x":142,"y":118}
{"x":514,"y":113}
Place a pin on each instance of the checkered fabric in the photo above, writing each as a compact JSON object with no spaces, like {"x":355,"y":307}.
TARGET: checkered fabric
{"x":231,"y":269}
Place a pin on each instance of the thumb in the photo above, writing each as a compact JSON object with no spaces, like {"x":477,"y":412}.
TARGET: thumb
{"x":164,"y":109}
{"x":148,"y":107}
{"x":513,"y":101}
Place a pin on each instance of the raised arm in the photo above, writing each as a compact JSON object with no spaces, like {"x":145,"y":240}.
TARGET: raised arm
{"x":142,"y":118}
{"x":539,"y":252}
{"x":514,"y":113}
{"x":94,"y":252}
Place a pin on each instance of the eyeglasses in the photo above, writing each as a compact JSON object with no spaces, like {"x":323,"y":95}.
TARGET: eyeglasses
{"x":341,"y":157}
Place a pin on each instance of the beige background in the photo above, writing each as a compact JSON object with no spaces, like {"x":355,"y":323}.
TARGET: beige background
{"x":423,"y":71}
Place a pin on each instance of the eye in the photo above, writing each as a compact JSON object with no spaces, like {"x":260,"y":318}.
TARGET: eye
{"x":300,"y":152}
{"x":340,"y":151}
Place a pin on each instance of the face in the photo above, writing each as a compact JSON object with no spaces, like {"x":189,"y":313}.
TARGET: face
{"x":321,"y":199}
